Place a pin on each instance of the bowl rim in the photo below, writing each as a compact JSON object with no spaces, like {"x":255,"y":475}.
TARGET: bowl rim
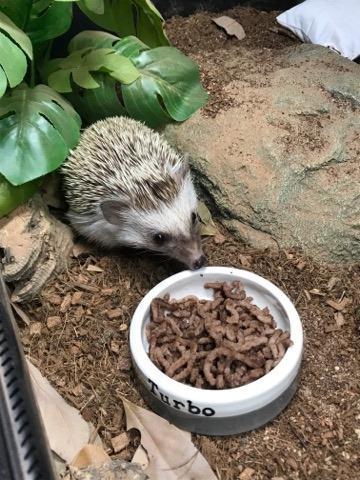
{"x":271,"y":384}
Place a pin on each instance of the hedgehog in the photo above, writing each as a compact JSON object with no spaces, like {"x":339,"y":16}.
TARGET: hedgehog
{"x":126,"y":186}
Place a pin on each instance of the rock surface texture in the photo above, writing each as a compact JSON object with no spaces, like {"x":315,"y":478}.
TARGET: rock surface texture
{"x":282,"y":167}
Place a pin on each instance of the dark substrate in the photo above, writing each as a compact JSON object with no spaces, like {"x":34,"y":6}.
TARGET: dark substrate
{"x":223,"y":59}
{"x":86,"y":357}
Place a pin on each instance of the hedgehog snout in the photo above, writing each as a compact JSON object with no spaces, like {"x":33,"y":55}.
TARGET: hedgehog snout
{"x":188,"y":251}
{"x":199,"y":262}
{"x":195,"y":257}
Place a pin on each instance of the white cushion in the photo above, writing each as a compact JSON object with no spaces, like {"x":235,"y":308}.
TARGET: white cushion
{"x":330,"y":23}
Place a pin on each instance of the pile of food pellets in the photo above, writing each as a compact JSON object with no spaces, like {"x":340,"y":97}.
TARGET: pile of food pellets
{"x":215,"y":344}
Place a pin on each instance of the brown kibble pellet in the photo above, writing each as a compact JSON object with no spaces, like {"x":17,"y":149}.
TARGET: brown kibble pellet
{"x":220,"y":382}
{"x":230,"y":333}
{"x":222,"y":343}
{"x":267,"y":352}
{"x":214,"y":285}
{"x":234,"y":290}
{"x":234,"y":317}
{"x":281,"y":350}
{"x":269,"y":365}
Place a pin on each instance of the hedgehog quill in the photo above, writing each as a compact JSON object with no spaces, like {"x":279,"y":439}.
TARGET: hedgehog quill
{"x":126,"y":186}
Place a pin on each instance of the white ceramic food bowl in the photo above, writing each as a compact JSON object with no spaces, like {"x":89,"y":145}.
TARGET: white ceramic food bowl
{"x":218,"y":412}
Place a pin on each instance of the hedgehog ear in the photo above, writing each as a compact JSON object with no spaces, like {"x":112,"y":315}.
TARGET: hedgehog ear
{"x":180,"y":170}
{"x":113,"y":210}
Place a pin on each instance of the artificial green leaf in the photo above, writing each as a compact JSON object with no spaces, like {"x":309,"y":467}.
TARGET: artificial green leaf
{"x":80,"y":63}
{"x":37,"y":129}
{"x":17,"y":10}
{"x":83,"y":78}
{"x":168,"y":86}
{"x":73,"y":60}
{"x":143,"y":104}
{"x":60,"y":81}
{"x":11,"y":197}
{"x":14,"y":47}
{"x":92,"y":39}
{"x":95,"y":59}
{"x":121,"y":68}
{"x":42,"y":53}
{"x":17,"y":35}
{"x":41,"y":19}
{"x":96,"y":6}
{"x":130,"y":47}
{"x":149,"y":24}
{"x":15,"y":71}
{"x":117,"y":16}
{"x":98,"y":103}
{"x":149,"y":6}
{"x":3,"y":82}
{"x":130,"y":17}
{"x":50,"y":67}
{"x":48,"y":19}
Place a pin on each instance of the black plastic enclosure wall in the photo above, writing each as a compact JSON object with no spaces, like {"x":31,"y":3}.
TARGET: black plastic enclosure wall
{"x":24,"y":452}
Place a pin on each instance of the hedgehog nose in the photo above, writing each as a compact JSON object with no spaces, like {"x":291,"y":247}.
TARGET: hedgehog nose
{"x":199,"y":262}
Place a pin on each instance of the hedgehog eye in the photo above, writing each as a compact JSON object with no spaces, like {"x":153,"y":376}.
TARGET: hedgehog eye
{"x":194,"y":218}
{"x":160,"y":238}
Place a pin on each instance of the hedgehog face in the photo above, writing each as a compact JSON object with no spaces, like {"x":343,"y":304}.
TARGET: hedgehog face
{"x":171,"y":229}
{"x":183,"y":244}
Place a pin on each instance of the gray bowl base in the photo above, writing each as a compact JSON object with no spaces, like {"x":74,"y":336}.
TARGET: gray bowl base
{"x":220,"y":425}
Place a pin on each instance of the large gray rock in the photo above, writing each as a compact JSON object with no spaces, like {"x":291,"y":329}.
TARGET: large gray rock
{"x":282,"y":166}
